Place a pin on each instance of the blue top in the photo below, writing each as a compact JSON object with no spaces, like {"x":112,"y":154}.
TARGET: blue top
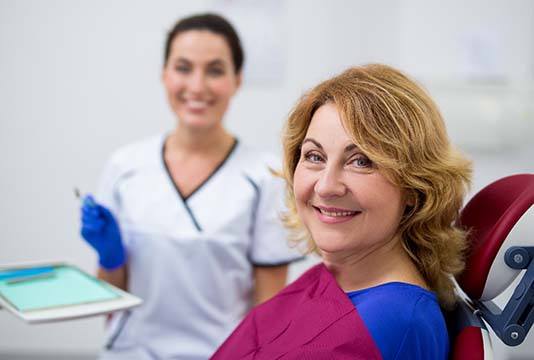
{"x":404,"y":320}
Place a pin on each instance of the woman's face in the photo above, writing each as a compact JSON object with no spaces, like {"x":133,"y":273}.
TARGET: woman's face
{"x":199,"y":78}
{"x":346,"y":203}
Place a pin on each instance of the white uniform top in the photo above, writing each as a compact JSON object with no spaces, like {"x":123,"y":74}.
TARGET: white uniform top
{"x":190,"y":260}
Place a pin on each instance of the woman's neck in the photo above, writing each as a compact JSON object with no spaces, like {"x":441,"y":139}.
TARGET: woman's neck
{"x":212,"y":141}
{"x":360,"y":270}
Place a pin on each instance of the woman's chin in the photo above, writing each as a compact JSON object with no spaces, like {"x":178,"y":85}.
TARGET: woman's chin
{"x":332,"y":246}
{"x":198,"y":124}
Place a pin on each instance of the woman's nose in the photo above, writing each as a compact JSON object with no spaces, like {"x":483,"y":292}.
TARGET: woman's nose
{"x":197,"y":82}
{"x":330,"y":184}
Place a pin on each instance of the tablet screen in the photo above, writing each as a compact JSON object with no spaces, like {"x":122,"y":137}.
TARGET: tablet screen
{"x":62,"y":286}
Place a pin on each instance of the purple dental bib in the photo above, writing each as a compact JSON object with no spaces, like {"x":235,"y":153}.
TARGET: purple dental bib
{"x":312,"y":318}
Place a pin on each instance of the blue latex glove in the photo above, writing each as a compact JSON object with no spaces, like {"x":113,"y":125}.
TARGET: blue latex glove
{"x":101,"y":231}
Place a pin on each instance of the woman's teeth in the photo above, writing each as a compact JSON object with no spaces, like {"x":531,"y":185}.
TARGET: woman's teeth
{"x":196,"y":104}
{"x":337,"y":213}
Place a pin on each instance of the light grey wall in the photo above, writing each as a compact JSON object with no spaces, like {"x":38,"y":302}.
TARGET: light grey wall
{"x":80,"y":78}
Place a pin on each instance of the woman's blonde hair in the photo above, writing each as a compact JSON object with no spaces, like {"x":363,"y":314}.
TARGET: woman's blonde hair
{"x":397,"y":125}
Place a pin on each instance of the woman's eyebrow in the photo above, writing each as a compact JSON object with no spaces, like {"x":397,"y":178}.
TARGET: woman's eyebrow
{"x":185,"y":61}
{"x":348,"y":148}
{"x":216,"y":62}
{"x":182,"y":60}
{"x":351,"y":147}
{"x":315,"y":142}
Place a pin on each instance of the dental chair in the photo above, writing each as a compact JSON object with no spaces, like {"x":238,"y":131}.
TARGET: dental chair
{"x":493,"y":262}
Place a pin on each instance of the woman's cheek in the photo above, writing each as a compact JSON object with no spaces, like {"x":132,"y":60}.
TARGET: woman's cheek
{"x":301,"y":185}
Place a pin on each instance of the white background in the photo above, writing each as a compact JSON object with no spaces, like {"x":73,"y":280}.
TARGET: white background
{"x":80,"y":78}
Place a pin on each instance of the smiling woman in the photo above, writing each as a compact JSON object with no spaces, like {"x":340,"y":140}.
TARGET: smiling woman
{"x":374,"y":187}
{"x":200,"y":79}
{"x":188,"y":220}
{"x":336,"y":184}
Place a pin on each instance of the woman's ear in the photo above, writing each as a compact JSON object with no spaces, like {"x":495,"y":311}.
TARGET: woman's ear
{"x":163,"y":75}
{"x":410,"y":201}
{"x":411,"y":198}
{"x":239,"y":79}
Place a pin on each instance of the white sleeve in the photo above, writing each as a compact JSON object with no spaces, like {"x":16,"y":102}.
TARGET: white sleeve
{"x":270,"y":245}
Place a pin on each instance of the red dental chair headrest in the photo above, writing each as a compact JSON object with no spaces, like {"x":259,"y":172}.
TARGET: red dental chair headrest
{"x":490,"y":215}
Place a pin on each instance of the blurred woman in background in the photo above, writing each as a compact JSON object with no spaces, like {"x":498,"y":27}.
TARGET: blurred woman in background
{"x":189,"y":221}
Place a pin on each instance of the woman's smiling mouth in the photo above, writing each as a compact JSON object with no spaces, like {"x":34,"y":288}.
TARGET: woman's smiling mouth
{"x":331,"y":215}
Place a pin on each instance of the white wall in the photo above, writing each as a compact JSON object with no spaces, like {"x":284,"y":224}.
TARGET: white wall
{"x":80,"y":78}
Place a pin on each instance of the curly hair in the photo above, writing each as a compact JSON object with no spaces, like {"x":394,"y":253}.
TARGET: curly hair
{"x":397,"y":126}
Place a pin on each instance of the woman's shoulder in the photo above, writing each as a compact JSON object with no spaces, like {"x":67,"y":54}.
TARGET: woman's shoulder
{"x":256,"y":163}
{"x":139,"y":148}
{"x":402,"y":291}
{"x":403,"y":319}
{"x":252,"y":154}
{"x":396,"y":301}
{"x":402,"y":303}
{"x":134,"y":157}
{"x":138,"y":152}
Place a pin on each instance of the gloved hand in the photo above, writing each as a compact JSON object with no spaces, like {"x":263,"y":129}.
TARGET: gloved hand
{"x":101,"y":231}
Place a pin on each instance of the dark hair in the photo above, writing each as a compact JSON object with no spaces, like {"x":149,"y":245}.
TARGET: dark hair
{"x":210,"y":22}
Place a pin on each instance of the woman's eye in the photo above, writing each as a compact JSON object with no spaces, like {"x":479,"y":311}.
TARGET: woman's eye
{"x":182,"y":69}
{"x":216,"y":71}
{"x":362,"y":162}
{"x":313,"y":157}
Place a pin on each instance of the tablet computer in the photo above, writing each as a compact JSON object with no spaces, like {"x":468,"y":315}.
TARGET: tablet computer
{"x":57,"y":291}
